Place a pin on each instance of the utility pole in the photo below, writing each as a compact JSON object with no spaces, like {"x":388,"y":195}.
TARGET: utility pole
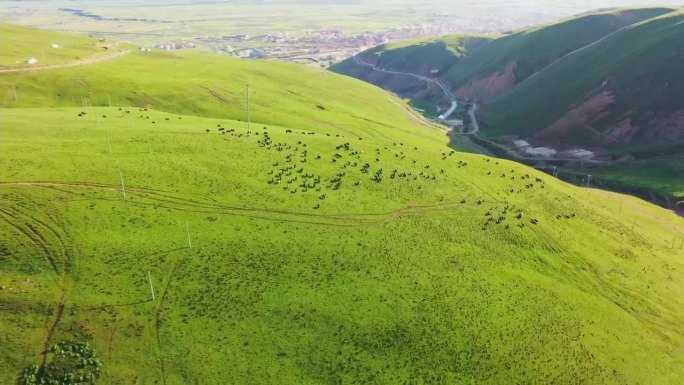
{"x":149,"y":279}
{"x":588,"y":180}
{"x":187,"y":230}
{"x":249,"y":115}
{"x":14,"y":92}
{"x":123,"y":188}
{"x":109,"y":143}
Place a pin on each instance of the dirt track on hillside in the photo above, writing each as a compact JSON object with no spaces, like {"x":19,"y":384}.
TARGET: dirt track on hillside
{"x":87,"y":61}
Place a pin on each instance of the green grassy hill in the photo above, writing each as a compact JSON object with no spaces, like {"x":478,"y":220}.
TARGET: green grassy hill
{"x":528,"y":51}
{"x":336,"y":239}
{"x":420,"y":56}
{"x":427,"y":57}
{"x":215,"y":86}
{"x":19,"y":44}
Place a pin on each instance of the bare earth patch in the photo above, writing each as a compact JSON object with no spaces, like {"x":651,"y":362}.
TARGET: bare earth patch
{"x":668,"y":127}
{"x":578,"y":118}
{"x":490,"y":87}
{"x":585,"y":116}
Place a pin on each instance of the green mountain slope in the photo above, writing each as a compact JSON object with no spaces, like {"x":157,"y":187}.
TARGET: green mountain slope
{"x":483,"y":68}
{"x":502,"y":63}
{"x":608,"y":82}
{"x":333,"y":239}
{"x":627,"y":89}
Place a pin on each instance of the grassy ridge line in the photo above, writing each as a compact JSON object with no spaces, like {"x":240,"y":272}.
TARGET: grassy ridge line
{"x":536,"y":48}
{"x":461,"y":59}
{"x":284,"y":94}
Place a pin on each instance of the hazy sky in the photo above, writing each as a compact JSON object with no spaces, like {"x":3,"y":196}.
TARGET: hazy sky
{"x":206,"y":17}
{"x":589,"y":4}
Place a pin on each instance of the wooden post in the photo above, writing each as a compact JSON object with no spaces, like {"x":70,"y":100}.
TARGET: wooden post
{"x":123,"y":188}
{"x":149,"y":279}
{"x":187,"y":230}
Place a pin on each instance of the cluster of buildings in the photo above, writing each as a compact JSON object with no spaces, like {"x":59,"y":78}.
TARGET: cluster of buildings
{"x":319,"y":47}
{"x":327,"y":46}
{"x":324,"y":47}
{"x":526,"y":149}
{"x":173,"y":46}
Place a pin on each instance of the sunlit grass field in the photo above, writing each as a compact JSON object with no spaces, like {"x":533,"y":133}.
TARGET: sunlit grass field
{"x":333,"y":239}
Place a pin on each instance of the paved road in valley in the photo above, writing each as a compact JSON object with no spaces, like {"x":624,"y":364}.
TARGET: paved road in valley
{"x":439,"y":83}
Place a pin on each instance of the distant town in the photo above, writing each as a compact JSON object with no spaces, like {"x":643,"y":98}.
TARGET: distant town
{"x":325,"y":47}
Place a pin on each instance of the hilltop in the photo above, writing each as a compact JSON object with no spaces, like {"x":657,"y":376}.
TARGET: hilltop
{"x":332,"y":237}
{"x":47,"y":48}
{"x":606,"y":82}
